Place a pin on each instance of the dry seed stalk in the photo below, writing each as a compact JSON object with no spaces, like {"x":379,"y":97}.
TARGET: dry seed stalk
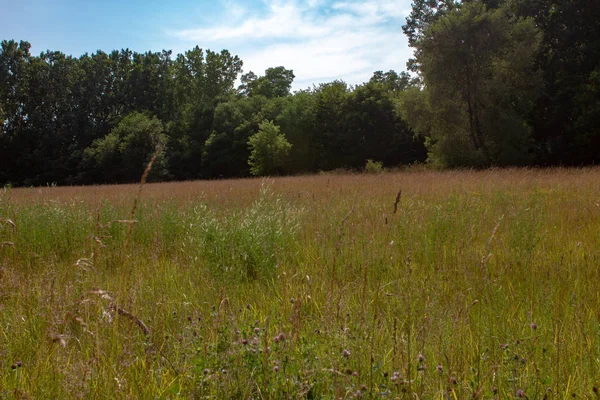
{"x":157,"y":152}
{"x":132,"y":317}
{"x":9,"y":222}
{"x":85,"y":264}
{"x":398,"y":196}
{"x":338,"y":251}
{"x":59,"y":339}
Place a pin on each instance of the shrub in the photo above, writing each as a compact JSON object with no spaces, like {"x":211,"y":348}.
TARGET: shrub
{"x":374,"y":167}
{"x":269,"y":150}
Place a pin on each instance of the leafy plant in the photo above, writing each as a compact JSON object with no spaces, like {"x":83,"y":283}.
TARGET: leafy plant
{"x":269,"y":149}
{"x":243,"y":244}
{"x":123,"y":154}
{"x":374,"y":167}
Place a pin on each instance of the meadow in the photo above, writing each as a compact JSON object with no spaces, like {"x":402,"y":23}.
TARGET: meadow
{"x":410,"y":284}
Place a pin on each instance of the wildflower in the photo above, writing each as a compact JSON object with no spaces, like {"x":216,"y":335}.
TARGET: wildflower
{"x":346,"y":353}
{"x":521,"y":393}
{"x":439,"y":368}
{"x":245,"y":342}
{"x":276,"y":368}
{"x":421,"y":358}
{"x":533,"y":326}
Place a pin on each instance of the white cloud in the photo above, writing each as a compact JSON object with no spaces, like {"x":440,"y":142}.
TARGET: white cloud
{"x":347,"y":40}
{"x":387,"y":8}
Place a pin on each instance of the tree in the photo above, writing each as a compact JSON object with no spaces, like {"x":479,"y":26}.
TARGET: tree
{"x":202,"y":82}
{"x":333,"y":147}
{"x":14,"y":60}
{"x":480,"y":82}
{"x":297,"y":120}
{"x":276,"y":82}
{"x":566,"y":129}
{"x":378,"y":132}
{"x":123,"y":154}
{"x":269,"y":150}
{"x":225,"y":152}
{"x":392,"y":81}
{"x":423,"y":14}
{"x":149,"y":86}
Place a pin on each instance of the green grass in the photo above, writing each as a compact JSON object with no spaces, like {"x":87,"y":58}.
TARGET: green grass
{"x":481,"y":285}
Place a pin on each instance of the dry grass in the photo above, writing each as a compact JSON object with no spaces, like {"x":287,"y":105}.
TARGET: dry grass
{"x":468,"y":285}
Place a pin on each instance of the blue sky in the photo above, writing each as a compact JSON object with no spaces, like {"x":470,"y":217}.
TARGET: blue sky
{"x":320,"y":40}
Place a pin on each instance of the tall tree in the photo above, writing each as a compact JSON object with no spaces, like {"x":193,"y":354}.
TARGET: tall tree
{"x":276,"y":82}
{"x":392,"y":81}
{"x":422,"y":15}
{"x":480,"y":80}
{"x":14,"y":61}
{"x":333,"y":147}
{"x":202,"y":81}
{"x":122,"y":155}
{"x":377,"y":130}
{"x":298,"y":120}
{"x":566,"y":129}
{"x":225,"y":152}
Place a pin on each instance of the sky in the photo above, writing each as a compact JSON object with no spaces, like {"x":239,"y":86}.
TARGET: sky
{"x":321,"y":40}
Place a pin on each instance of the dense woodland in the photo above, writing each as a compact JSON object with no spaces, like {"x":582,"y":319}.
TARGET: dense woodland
{"x":492,"y":83}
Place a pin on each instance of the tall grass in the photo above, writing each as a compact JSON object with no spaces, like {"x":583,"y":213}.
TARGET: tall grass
{"x":468,"y":285}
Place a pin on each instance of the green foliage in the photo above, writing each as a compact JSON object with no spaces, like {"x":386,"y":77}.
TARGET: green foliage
{"x":276,"y":82}
{"x":123,"y":154}
{"x":269,"y":150}
{"x":569,"y":55}
{"x":373,"y":167}
{"x":392,"y":81}
{"x":297,"y":119}
{"x":480,"y":83}
{"x":244,"y":244}
{"x":498,"y":82}
{"x":225,"y":153}
{"x":203,"y":80}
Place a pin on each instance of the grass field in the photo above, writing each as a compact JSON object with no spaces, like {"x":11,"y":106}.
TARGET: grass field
{"x":479,"y":285}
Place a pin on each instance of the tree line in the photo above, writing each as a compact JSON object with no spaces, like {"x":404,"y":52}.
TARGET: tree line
{"x":492,"y":83}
